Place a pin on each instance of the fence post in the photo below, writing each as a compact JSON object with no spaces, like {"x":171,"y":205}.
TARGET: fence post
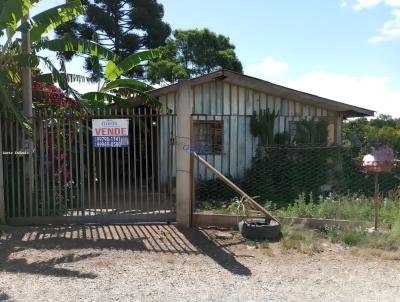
{"x":2,"y":201}
{"x":183,"y":158}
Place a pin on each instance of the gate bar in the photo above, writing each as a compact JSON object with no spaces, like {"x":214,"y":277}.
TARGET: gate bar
{"x":2,"y":202}
{"x":250,"y":200}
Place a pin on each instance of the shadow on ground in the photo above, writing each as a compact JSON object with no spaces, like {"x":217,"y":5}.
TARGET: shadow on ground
{"x":4,"y":297}
{"x":147,"y":238}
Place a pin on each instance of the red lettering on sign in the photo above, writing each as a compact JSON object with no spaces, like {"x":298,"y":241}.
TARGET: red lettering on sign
{"x":111,"y":131}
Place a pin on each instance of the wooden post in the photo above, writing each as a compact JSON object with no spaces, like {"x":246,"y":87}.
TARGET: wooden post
{"x":376,"y":201}
{"x":339,"y":129}
{"x":234,"y":187}
{"x":184,"y":108}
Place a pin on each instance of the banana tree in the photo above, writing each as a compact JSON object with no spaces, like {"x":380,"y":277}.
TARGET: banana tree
{"x":13,"y":20}
{"x":117,"y":89}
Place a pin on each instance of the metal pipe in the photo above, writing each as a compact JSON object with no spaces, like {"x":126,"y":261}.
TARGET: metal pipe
{"x":130,"y":148}
{"x":2,"y":200}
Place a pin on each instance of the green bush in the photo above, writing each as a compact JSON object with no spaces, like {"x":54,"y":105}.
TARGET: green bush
{"x":389,"y":241}
{"x":341,"y":206}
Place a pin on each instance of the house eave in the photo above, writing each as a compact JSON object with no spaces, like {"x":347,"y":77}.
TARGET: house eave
{"x":271,"y":89}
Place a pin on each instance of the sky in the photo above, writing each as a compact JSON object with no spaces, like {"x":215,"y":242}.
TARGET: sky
{"x":346,"y":50}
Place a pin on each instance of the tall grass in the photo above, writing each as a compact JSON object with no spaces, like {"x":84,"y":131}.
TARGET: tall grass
{"x":388,"y":241}
{"x":339,"y":206}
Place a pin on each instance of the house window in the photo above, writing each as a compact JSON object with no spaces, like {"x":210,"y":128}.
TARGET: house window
{"x":309,"y":132}
{"x":208,"y":137}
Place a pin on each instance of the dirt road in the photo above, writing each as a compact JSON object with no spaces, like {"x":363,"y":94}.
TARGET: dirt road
{"x":162,"y":263}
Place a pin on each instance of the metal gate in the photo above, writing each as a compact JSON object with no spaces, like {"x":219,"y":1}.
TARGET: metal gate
{"x":64,"y":178}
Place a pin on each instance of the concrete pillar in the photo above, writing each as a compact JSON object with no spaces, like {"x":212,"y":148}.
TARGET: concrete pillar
{"x":184,"y":107}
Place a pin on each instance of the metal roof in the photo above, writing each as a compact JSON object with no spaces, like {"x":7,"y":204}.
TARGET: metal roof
{"x":271,"y":89}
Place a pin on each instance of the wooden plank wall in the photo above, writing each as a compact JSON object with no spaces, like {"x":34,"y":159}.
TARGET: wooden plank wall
{"x":234,"y":105}
{"x":167,"y":131}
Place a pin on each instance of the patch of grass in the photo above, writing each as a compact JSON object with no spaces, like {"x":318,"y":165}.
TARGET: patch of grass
{"x":369,"y":253}
{"x":341,"y":206}
{"x":345,"y":236}
{"x":384,"y":241}
{"x":301,"y":239}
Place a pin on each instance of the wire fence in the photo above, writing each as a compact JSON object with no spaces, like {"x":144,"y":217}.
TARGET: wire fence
{"x":279,"y":174}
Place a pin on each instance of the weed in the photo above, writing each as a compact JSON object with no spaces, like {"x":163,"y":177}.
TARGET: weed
{"x":301,"y":239}
{"x":385,"y":241}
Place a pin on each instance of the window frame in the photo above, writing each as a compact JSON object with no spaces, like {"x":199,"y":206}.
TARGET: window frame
{"x":200,"y":145}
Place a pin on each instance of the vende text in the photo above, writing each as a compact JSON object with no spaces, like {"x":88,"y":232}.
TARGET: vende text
{"x":111,"y":131}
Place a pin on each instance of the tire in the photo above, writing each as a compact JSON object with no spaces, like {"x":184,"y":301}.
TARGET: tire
{"x":260,"y":229}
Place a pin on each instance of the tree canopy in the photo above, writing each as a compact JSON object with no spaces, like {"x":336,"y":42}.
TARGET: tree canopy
{"x":123,"y":26}
{"x":383,"y":130}
{"x":191,"y":53}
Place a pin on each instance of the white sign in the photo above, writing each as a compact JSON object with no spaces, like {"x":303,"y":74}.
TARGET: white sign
{"x":110,"y":133}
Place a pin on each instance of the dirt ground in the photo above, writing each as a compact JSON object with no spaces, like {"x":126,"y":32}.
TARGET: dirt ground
{"x":164,"y":263}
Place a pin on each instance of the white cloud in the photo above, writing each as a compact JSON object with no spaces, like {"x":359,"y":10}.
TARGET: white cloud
{"x":393,"y":3}
{"x":390,"y":29}
{"x":364,"y":91}
{"x":361,"y":4}
{"x":267,"y":67}
{"x":85,"y":86}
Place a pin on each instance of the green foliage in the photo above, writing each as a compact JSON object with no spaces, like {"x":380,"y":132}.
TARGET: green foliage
{"x":214,"y":194}
{"x":280,"y":173}
{"x":12,"y":60}
{"x":385,"y":244}
{"x":127,"y":83}
{"x":80,"y":46}
{"x":114,"y":71}
{"x":300,"y":239}
{"x":191,"y":53}
{"x":341,"y":206}
{"x":125,"y":27}
{"x":239,"y":206}
{"x":262,"y":126}
{"x":346,"y":236}
{"x":43,"y":22}
{"x":282,"y":138}
{"x":311,"y":133}
{"x":11,"y":12}
{"x":389,"y":241}
{"x":383,"y":130}
{"x":301,"y":208}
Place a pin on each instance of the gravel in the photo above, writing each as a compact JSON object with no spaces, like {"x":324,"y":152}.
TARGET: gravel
{"x":164,"y":263}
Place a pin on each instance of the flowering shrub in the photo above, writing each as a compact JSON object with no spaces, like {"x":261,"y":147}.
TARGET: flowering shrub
{"x":380,"y":154}
{"x":52,"y":97}
{"x":383,"y":154}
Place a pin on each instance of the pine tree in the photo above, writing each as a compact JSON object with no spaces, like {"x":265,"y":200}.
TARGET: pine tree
{"x":124,"y":26}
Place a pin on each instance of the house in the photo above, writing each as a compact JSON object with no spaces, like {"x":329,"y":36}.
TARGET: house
{"x":148,"y":177}
{"x":224,"y":103}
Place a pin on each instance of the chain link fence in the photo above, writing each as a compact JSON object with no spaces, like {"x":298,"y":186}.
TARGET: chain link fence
{"x":280,"y":174}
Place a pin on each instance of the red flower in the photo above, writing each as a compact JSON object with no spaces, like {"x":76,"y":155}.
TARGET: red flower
{"x":54,"y":96}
